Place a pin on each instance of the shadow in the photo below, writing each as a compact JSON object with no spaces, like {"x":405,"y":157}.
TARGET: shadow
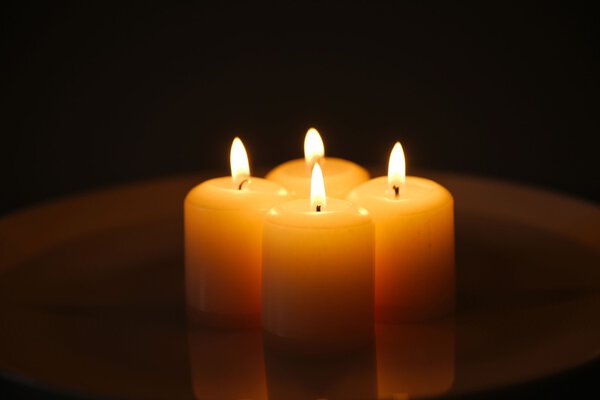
{"x":227,"y":364}
{"x":407,"y":361}
{"x":415,"y":360}
{"x":100,"y":316}
{"x":348,"y":376}
{"x":503,"y":264}
{"x":527,"y":302}
{"x":234,"y":364}
{"x":103,"y":313}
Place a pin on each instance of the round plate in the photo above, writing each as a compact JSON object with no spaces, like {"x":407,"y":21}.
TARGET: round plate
{"x":92,"y":303}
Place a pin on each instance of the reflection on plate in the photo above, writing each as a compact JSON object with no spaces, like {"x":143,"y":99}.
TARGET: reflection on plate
{"x":91,"y":302}
{"x":415,"y":360}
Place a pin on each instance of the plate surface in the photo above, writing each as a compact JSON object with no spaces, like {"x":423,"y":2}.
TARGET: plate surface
{"x":92,"y":303}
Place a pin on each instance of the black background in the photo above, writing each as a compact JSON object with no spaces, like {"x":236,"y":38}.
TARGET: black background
{"x":95,"y":95}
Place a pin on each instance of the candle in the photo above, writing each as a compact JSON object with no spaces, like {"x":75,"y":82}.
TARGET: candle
{"x":414,"y":243}
{"x":223,"y":224}
{"x":318,"y":273}
{"x":340,"y":175}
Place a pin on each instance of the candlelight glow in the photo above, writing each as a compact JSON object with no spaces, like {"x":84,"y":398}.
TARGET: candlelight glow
{"x":397,"y":170}
{"x":240,"y":168}
{"x":313,"y":147}
{"x":317,"y":189}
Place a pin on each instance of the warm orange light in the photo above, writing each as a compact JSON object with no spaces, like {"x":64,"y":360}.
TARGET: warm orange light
{"x":318,"y":199}
{"x":240,"y":168}
{"x":397,"y":170}
{"x":313,"y":147}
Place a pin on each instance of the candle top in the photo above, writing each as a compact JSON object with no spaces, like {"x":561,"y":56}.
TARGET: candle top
{"x":340,"y":176}
{"x":331,"y":166}
{"x":225,"y":193}
{"x":419,"y":194}
{"x":301,"y":214}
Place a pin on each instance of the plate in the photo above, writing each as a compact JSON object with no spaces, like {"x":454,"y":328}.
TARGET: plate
{"x":92,"y":303}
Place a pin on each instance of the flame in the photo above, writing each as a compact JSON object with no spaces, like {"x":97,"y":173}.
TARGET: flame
{"x":313,"y":147}
{"x":240,"y":168}
{"x":318,"y":199}
{"x":397,"y":169}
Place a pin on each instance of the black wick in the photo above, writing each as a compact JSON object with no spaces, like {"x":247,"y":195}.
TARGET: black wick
{"x":318,"y":208}
{"x":242,"y":183}
{"x":396,"y":190}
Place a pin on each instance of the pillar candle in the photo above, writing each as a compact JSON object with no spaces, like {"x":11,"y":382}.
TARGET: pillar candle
{"x":414,"y":243}
{"x":223,"y":230}
{"x":340,"y":175}
{"x":318,"y":256}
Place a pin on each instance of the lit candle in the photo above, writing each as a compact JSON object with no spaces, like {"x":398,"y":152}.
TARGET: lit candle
{"x":340,"y":175}
{"x":223,"y":226}
{"x":318,"y":273}
{"x":414,"y":243}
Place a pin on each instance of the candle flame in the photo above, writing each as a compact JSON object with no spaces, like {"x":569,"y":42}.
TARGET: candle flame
{"x":318,"y":199}
{"x":314,"y":149}
{"x":397,"y":170}
{"x":240,"y":168}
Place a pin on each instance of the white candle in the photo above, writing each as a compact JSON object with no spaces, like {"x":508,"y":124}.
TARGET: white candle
{"x":318,"y":272}
{"x":340,"y":175}
{"x":414,"y":243}
{"x":223,"y":231}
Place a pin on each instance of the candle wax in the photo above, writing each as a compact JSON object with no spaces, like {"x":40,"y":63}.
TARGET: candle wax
{"x":223,"y":234}
{"x":340,"y":176}
{"x":414,"y":248}
{"x":318,"y":277}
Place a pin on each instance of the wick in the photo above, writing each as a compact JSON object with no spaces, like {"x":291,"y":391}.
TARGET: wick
{"x":396,"y":190}
{"x":318,"y":208}
{"x":242,"y":183}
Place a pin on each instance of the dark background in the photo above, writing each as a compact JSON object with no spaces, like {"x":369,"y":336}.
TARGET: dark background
{"x":96,"y":95}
